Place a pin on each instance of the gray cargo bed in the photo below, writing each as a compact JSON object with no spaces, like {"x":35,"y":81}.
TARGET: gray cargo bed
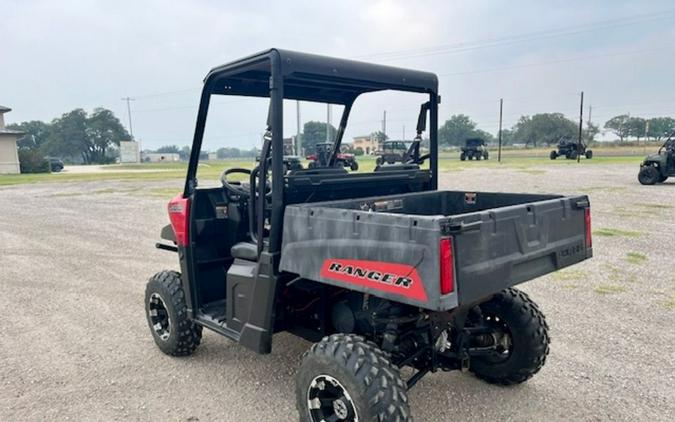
{"x":390,"y":246}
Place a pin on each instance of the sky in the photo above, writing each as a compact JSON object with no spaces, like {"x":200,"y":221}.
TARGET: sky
{"x":56,"y":56}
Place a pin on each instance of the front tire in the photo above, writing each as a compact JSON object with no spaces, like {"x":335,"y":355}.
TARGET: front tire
{"x":648,"y":175}
{"x":553,"y":155}
{"x":462,"y":157}
{"x":526,"y":343}
{"x":166,"y":311}
{"x":589,"y":154}
{"x":354,"y":166}
{"x":344,"y":377}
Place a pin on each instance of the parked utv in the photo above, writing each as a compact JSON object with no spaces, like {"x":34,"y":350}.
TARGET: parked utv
{"x":570,"y":149}
{"x":656,"y":168}
{"x":321,"y":158}
{"x":55,"y":164}
{"x":381,"y":270}
{"x":474,"y":148}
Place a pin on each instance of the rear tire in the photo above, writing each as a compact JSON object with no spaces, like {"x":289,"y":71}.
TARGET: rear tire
{"x":166,"y":311}
{"x":462,"y":157}
{"x":589,"y":154}
{"x":345,"y":368}
{"x":354,"y":166}
{"x":517,"y":315}
{"x":648,"y":175}
{"x":573,"y":155}
{"x":379,"y":161}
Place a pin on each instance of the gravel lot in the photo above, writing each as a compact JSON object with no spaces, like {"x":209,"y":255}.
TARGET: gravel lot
{"x":75,"y":344}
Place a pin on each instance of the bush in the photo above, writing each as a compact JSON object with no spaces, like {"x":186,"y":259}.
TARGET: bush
{"x":358,"y":152}
{"x":33,"y":162}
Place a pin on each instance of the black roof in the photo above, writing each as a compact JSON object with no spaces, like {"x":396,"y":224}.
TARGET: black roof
{"x":312,"y":77}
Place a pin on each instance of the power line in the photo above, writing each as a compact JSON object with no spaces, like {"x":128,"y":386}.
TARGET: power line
{"x":531,"y":36}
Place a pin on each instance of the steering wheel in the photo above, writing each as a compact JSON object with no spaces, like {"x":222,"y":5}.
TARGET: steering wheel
{"x":235,"y":188}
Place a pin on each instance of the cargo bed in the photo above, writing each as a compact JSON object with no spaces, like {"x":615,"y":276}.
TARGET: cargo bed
{"x":404,"y":247}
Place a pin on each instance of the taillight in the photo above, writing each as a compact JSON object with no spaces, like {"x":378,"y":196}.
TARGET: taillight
{"x":589,"y":237}
{"x":447,"y":266}
{"x":179,"y":213}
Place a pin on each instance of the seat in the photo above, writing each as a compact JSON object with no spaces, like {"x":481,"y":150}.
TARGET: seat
{"x":245,"y":250}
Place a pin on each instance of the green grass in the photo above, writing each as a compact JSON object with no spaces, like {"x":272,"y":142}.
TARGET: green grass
{"x":568,"y":275}
{"x":606,"y":289}
{"x":611,"y":232}
{"x":448,"y":162}
{"x":636,"y":257}
{"x":670,"y":303}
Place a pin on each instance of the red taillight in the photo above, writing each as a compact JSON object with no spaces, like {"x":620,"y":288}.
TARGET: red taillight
{"x":179,"y":213}
{"x":447,"y":266}
{"x":589,"y":238}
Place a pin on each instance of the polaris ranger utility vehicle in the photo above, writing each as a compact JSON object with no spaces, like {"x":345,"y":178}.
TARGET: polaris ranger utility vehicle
{"x":570,"y":149}
{"x":381,"y":270}
{"x":394,"y":152}
{"x":656,"y":168}
{"x":323,"y":154}
{"x":474,"y":148}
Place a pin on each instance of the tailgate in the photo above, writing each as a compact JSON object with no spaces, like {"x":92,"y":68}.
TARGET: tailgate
{"x":502,"y":247}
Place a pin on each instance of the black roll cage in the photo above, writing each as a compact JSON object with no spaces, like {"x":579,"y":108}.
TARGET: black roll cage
{"x":281,"y":74}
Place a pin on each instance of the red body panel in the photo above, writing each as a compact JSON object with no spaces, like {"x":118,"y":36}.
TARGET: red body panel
{"x":400,"y":279}
{"x":179,"y":214}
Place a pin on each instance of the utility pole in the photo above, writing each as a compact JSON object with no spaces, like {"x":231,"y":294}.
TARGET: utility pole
{"x":581,"y":126}
{"x":404,"y":132}
{"x":590,"y":113}
{"x":501,"y":107}
{"x":131,"y":129}
{"x":129,"y":100}
{"x":297,"y":134}
{"x":384,"y":123}
{"x":327,"y":122}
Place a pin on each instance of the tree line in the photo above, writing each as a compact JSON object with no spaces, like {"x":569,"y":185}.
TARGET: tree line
{"x":548,"y":128}
{"x":76,"y":135}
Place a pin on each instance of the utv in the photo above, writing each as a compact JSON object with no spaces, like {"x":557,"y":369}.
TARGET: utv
{"x":474,"y":148}
{"x":291,"y":162}
{"x":656,"y":168}
{"x":570,"y":149}
{"x":381,"y":270}
{"x":392,"y":152}
{"x":323,"y":154}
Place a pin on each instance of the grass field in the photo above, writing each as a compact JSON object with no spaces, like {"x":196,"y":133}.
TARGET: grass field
{"x":532,"y":160}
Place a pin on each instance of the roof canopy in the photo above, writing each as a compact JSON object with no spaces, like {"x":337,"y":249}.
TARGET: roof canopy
{"x":311,"y":77}
{"x":4,"y":109}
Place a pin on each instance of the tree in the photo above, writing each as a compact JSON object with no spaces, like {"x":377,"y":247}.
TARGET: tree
{"x":544,"y":128}
{"x":184,"y":153}
{"x":590,"y":132}
{"x":313,"y":133}
{"x":660,"y":127}
{"x":168,"y":149}
{"x":619,"y":125}
{"x":637,"y":127}
{"x":380,"y":136}
{"x":103,"y":131}
{"x":68,"y":135}
{"x":223,"y":153}
{"x":36,"y":134}
{"x":456,"y":130}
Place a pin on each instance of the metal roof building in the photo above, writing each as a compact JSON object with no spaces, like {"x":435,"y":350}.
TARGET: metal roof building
{"x":9,"y":156}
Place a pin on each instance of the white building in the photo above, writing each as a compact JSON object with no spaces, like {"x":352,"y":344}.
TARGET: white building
{"x":160,"y":157}
{"x":9,"y":155}
{"x":129,"y":152}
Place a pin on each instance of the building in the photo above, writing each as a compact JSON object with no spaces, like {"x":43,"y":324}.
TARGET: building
{"x":9,"y":154}
{"x":367,"y":144}
{"x":129,"y":152}
{"x":160,"y":157}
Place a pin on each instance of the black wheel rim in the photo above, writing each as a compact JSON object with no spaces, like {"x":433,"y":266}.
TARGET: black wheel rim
{"x":159,"y":317}
{"x":328,"y":400}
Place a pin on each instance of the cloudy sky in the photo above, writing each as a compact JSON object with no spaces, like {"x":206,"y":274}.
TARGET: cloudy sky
{"x":59,"y":55}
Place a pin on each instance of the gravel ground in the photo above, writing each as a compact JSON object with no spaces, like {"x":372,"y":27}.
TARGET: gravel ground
{"x":75,"y":344}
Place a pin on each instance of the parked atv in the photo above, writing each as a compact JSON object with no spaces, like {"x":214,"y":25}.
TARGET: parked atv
{"x":474,"y":148}
{"x":656,"y":168}
{"x":380,"y":270}
{"x":570,"y":149}
{"x":392,"y":152}
{"x":323,"y":154}
{"x":291,"y":162}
